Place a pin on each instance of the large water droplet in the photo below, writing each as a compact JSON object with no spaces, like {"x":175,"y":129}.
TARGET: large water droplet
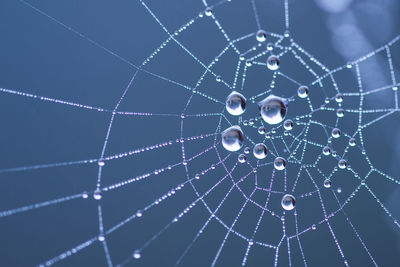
{"x":342,"y":164}
{"x":273,"y":62}
{"x":273,"y":109}
{"x":260,"y":151}
{"x":235,"y":103}
{"x":232,"y":138}
{"x":288,"y":202}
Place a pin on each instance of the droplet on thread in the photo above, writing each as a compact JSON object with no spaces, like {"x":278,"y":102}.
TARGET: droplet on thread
{"x":273,"y":62}
{"x":273,"y":109}
{"x":288,"y":202}
{"x":235,"y":103}
{"x":280,"y":163}
{"x":302,"y":92}
{"x":260,"y":151}
{"x":232,"y":138}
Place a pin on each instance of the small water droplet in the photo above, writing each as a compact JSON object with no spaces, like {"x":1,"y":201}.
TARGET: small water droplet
{"x":232,"y":138}
{"x":336,"y":133}
{"x":261,"y":130}
{"x":209,"y":12}
{"x":288,"y":202}
{"x":339,"y":98}
{"x":273,"y":62}
{"x":288,"y":125}
{"x":137,"y":255}
{"x":260,"y":151}
{"x":327,"y":183}
{"x":261,"y":36}
{"x":280,"y":163}
{"x":242,"y":158}
{"x":302,"y":92}
{"x":352,"y":141}
{"x":340,"y":112}
{"x":326,"y":150}
{"x":342,"y":164}
{"x":97,"y":194}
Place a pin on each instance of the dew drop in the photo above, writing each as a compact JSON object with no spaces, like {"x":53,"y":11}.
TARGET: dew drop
{"x":288,"y":202}
{"x":286,"y":33}
{"x":280,"y":163}
{"x":209,"y":12}
{"x":235,"y":103}
{"x":273,"y":109}
{"x":288,"y":125}
{"x":352,"y":142}
{"x":101,"y":163}
{"x":342,"y":164}
{"x":339,"y":98}
{"x":261,"y":36}
{"x":326,"y":150}
{"x":339,"y":190}
{"x":336,"y":133}
{"x":218,"y":78}
{"x":97,"y":194}
{"x":246,"y":150}
{"x":232,"y":138}
{"x":302,"y":92}
{"x":313,"y":227}
{"x":139,"y":214}
{"x":270,"y":46}
{"x":85,"y":195}
{"x":101,"y":238}
{"x":340,"y":112}
{"x":242,"y":158}
{"x":273,"y":62}
{"x":260,"y":151}
{"x":249,"y":63}
{"x":137,"y":255}
{"x":261,"y":130}
{"x":395,"y":88}
{"x":327,"y":183}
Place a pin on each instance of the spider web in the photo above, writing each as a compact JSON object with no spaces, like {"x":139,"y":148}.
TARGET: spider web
{"x":159,"y":188}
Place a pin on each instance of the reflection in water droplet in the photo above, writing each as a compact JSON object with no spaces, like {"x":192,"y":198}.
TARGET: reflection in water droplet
{"x":260,"y":151}
{"x":273,"y":109}
{"x":232,"y":138}
{"x":288,"y":202}
{"x":235,"y":103}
